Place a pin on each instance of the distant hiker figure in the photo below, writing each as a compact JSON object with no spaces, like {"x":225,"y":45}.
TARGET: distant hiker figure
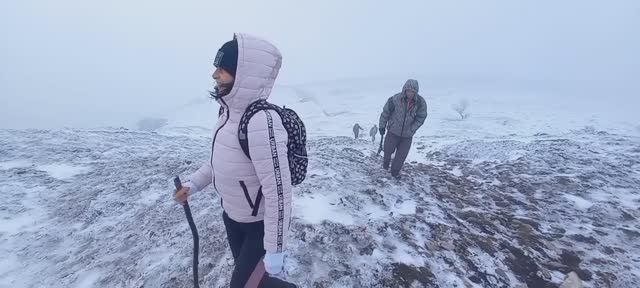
{"x":255,"y":192}
{"x":373,"y":132}
{"x":356,"y":130}
{"x":402,"y":115}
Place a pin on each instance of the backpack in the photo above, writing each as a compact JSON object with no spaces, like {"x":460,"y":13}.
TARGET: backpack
{"x":297,"y":137}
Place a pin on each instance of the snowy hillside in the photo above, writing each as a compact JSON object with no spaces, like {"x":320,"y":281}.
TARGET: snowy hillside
{"x":331,"y":108}
{"x":530,"y":187}
{"x":94,"y":209}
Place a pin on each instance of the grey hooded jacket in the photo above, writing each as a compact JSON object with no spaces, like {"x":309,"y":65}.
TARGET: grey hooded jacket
{"x":398,"y":117}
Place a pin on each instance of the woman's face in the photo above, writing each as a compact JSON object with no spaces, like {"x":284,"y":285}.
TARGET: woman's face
{"x":223,"y":79}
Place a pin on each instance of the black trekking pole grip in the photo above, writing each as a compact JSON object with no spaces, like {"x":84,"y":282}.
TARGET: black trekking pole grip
{"x":194,"y":231}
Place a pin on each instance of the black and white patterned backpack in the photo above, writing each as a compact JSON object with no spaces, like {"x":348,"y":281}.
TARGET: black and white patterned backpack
{"x":297,"y":143}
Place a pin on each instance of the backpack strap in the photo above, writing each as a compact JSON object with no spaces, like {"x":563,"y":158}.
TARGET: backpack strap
{"x":253,"y":108}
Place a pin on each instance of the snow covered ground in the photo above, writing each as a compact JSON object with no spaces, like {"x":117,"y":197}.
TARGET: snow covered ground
{"x":523,"y":192}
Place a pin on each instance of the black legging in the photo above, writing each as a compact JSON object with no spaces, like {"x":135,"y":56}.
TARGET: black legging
{"x":247,"y":247}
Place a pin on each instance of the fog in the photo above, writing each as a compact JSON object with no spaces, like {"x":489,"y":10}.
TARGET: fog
{"x":72,"y":63}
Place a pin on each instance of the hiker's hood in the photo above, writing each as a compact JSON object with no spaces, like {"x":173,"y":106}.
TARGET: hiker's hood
{"x":259,"y":62}
{"x":411,"y":84}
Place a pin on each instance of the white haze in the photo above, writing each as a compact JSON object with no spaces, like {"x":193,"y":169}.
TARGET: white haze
{"x":73,"y":63}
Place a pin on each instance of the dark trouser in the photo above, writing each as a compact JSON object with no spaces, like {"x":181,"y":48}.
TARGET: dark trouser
{"x":399,"y":145}
{"x":356,"y":133}
{"x":247,"y":247}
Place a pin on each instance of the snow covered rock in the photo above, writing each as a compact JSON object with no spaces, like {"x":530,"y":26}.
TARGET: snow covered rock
{"x":572,"y":281}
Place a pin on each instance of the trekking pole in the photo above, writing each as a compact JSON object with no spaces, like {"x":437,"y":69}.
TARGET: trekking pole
{"x":381,"y":140}
{"x":194,"y":231}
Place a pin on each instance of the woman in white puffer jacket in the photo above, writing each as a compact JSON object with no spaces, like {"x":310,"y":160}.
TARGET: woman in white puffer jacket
{"x":256,"y":192}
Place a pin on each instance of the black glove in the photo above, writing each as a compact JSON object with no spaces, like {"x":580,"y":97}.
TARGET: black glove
{"x":382,"y":131}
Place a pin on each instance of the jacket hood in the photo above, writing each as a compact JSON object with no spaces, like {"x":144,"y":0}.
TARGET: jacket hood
{"x":259,"y":62}
{"x":411,"y":84}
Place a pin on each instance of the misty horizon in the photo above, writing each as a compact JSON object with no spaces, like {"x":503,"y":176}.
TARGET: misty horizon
{"x":78,"y":64}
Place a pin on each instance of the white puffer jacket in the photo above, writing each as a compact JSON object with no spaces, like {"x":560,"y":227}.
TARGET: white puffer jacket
{"x":259,"y":188}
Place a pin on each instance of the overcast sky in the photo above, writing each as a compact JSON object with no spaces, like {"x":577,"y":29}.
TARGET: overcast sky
{"x":81,"y":63}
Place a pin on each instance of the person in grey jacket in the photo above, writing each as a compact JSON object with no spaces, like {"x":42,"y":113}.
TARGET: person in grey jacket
{"x":356,"y":130}
{"x":373,"y":132}
{"x":402,"y":115}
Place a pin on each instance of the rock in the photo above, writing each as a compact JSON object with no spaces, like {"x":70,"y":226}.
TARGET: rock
{"x":584,"y":239}
{"x":530,"y":222}
{"x":571,"y":281}
{"x":570,"y":258}
{"x":322,"y":284}
{"x":525,"y":268}
{"x":585,"y":274}
{"x":431,"y":246}
{"x":502,"y":274}
{"x":627,"y":216}
{"x":608,"y":278}
{"x":447,"y":245}
{"x":630,"y":233}
{"x":601,"y":233}
{"x":367,"y":250}
{"x":562,"y":180}
{"x":556,"y":235}
{"x":475,"y":279}
{"x":548,"y":245}
{"x":502,"y":204}
{"x":404,"y":275}
{"x":526,"y":233}
{"x":558,"y":230}
{"x":523,"y":228}
{"x":544,"y":274}
{"x":337,"y":274}
{"x":619,"y":250}
{"x":555,"y":266}
{"x":467,"y":284}
{"x":599,"y":261}
{"x":608,"y":250}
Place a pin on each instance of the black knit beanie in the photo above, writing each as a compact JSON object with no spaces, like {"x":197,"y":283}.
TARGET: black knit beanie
{"x":227,"y":57}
